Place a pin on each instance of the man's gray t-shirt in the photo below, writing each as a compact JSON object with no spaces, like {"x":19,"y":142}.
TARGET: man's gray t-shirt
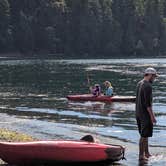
{"x":143,"y":99}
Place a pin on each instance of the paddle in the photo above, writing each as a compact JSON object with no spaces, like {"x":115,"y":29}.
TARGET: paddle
{"x":88,"y":80}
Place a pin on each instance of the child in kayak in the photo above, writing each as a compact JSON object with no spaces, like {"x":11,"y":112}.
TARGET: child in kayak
{"x":109,"y":89}
{"x":96,"y":90}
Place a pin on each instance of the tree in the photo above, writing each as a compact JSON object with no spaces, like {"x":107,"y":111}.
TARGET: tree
{"x":25,"y":39}
{"x":140,"y":7}
{"x":4,"y":24}
{"x":124,"y":12}
{"x":83,"y":28}
{"x":51,"y":13}
{"x":111,"y":32}
{"x":89,"y":23}
{"x":153,"y":23}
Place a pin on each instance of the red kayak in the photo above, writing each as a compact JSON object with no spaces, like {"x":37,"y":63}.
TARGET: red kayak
{"x":102,"y":98}
{"x":59,"y":151}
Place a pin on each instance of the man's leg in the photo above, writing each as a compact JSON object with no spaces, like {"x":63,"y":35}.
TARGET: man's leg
{"x":147,"y":154}
{"x":142,"y":147}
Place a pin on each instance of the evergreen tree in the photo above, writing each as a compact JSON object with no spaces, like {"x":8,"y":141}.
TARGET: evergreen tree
{"x":153,"y":24}
{"x":111,"y":32}
{"x":85,"y":28}
{"x":50,"y":16}
{"x":124,"y":12}
{"x":25,"y":39}
{"x":89,"y":29}
{"x":84,"y":23}
{"x":140,"y":7}
{"x":4,"y":25}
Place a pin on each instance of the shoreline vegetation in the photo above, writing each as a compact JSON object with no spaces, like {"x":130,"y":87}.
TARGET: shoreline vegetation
{"x":20,"y":56}
{"x":84,"y":29}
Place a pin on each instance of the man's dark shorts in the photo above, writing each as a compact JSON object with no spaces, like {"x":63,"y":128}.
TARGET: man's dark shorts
{"x":145,"y":127}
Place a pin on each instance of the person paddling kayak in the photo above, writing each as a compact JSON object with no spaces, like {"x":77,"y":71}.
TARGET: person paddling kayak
{"x":96,"y":90}
{"x":109,"y":89}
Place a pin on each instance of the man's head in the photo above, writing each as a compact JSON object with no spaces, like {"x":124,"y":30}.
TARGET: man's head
{"x":150,"y":74}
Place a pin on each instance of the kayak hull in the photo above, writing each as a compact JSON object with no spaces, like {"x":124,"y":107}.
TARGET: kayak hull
{"x":58,"y":151}
{"x":102,"y":98}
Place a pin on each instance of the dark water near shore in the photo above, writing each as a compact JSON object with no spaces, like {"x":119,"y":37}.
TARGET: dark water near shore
{"x":33,"y":100}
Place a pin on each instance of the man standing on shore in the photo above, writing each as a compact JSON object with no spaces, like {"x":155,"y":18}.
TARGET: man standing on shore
{"x":144,"y":113}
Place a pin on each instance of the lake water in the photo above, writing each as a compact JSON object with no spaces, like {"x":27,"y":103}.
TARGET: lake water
{"x":33,"y":100}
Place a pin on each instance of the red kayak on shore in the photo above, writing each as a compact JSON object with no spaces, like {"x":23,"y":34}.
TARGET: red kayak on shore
{"x":59,"y":151}
{"x":101,"y":98}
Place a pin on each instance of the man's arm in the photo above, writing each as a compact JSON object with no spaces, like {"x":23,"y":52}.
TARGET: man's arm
{"x":152,"y":116}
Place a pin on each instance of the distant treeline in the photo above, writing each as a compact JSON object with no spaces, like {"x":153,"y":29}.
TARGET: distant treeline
{"x":83,"y":28}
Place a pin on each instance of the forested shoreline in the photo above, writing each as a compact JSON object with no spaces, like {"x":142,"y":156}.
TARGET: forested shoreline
{"x":83,"y":28}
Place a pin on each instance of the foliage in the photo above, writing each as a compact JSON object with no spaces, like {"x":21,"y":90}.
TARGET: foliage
{"x":83,"y":28}
{"x":4,"y":24}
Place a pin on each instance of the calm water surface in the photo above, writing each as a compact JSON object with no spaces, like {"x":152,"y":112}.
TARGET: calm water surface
{"x":33,"y":100}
